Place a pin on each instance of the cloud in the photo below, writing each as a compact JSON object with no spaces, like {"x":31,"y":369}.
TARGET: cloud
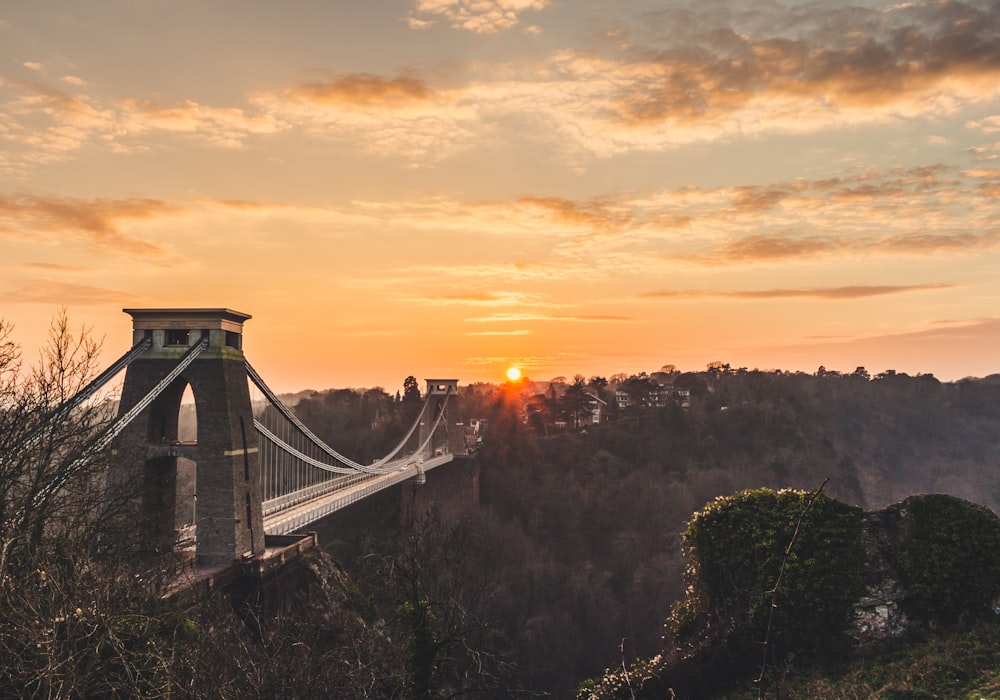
{"x":684,"y":76}
{"x":552,"y":269}
{"x":916,"y":211}
{"x":794,"y":70}
{"x":74,"y":81}
{"x":590,"y":216}
{"x":515,"y":332}
{"x":418,"y":24}
{"x":223,"y":127}
{"x":681,"y":76}
{"x":829,"y":293}
{"x":760,"y":247}
{"x":985,"y":173}
{"x":53,"y":267}
{"x":483,"y":299}
{"x":477,"y":16}
{"x":549,"y":217}
{"x":829,"y":59}
{"x":364,"y":90}
{"x":522,"y":316}
{"x":97,"y":223}
{"x":987,"y":125}
{"x":57,"y":105}
{"x":400,"y":116}
{"x":927,"y":243}
{"x":535,"y":362}
{"x":53,"y":292}
{"x":44,"y":124}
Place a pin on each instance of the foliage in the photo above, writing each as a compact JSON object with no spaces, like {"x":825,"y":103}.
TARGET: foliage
{"x":949,"y":560}
{"x":735,"y":547}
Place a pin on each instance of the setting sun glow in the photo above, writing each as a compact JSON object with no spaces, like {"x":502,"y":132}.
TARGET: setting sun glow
{"x":513,"y":374}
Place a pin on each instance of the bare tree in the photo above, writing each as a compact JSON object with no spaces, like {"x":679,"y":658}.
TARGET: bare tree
{"x":77,"y":616}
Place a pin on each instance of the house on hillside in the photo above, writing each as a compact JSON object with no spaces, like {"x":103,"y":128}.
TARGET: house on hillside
{"x":657,"y":391}
{"x":598,"y":408}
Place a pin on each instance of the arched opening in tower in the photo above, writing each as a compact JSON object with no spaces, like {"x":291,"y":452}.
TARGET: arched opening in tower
{"x":185,"y":509}
{"x":171,"y":470}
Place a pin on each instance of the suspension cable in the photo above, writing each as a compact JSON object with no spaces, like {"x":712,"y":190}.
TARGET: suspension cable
{"x":103,"y":378}
{"x":374,"y":468}
{"x":115,"y":430}
{"x":300,"y":455}
{"x":127,"y":418}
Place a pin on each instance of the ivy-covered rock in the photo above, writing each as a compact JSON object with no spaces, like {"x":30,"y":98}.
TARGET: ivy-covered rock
{"x":947,"y":557}
{"x":735,"y":548}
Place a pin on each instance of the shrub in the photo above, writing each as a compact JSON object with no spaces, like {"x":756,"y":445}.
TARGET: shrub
{"x":735,"y":546}
{"x":948,"y":558}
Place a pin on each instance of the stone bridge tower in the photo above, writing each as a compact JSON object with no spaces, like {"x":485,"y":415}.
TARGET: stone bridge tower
{"x":229,"y":523}
{"x":450,"y":434}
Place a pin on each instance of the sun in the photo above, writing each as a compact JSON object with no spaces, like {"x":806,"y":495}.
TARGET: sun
{"x":513,"y":374}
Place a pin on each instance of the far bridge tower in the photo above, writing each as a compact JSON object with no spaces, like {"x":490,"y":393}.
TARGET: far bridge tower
{"x":449,"y":437}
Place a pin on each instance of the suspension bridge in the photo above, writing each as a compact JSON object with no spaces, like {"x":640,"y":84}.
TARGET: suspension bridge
{"x":260,"y":472}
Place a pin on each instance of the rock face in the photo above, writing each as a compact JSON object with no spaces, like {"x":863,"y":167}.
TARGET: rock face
{"x":878,"y":614}
{"x":950,"y":550}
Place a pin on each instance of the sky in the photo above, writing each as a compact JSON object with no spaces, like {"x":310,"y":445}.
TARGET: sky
{"x":446,"y":188}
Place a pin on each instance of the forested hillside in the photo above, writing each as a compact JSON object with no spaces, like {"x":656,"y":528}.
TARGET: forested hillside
{"x":582,"y":524}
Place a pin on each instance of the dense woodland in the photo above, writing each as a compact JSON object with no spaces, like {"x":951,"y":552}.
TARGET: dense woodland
{"x":582,"y":525}
{"x":570,"y":566}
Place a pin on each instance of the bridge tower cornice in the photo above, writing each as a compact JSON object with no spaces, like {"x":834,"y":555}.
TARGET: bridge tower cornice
{"x":173,"y":331}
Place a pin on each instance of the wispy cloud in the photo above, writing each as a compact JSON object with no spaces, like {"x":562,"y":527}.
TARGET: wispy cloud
{"x":43,"y":124}
{"x":398,"y":116}
{"x":478,"y":16}
{"x":519,"y":317}
{"x":536,"y":362}
{"x":828,"y":293}
{"x":97,"y":223}
{"x":483,"y":299}
{"x":55,"y":292}
{"x":514,"y":332}
{"x":223,"y":127}
{"x":987,"y":125}
{"x":53,"y":267}
{"x":366,"y":91}
{"x":916,"y":211}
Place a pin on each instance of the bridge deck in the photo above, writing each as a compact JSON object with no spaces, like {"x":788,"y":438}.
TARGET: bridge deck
{"x":299,"y":516}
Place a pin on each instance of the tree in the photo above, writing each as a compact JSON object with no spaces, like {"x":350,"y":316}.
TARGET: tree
{"x":434,"y":585}
{"x":575,"y":402}
{"x":79,"y":615}
{"x":411,"y":390}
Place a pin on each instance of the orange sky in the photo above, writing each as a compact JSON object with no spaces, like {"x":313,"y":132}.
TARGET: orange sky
{"x":448,"y":187}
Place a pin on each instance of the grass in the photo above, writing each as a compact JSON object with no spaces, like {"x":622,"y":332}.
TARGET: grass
{"x":956,"y":665}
